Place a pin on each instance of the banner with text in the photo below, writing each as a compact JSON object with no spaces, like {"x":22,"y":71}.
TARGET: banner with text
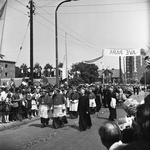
{"x":122,"y":52}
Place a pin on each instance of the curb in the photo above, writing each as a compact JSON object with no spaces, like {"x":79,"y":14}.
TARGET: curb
{"x":7,"y":126}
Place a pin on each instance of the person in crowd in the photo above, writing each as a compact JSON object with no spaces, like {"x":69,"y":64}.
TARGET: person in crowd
{"x":58,"y":109}
{"x":36,"y":96}
{"x":137,"y":89}
{"x":141,"y":124}
{"x":92,"y":103}
{"x":29,"y":100}
{"x":110,"y":136}
{"x":34,"y":107}
{"x":16,"y":106}
{"x":44,"y":107}
{"x":44,"y":81}
{"x":83,"y":110}
{"x":24,"y":105}
{"x":7,"y":107}
{"x":134,"y":89}
{"x":112,"y":110}
{"x":12,"y":84}
{"x":1,"y":106}
{"x":105,"y":93}
{"x":64,"y":118}
{"x":24,"y":84}
{"x":74,"y":98}
{"x":67,"y":99}
{"x":3,"y":97}
{"x":98,"y":100}
{"x":121,"y":97}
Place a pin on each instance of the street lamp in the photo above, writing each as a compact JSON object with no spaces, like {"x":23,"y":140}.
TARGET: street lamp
{"x":56,"y":41}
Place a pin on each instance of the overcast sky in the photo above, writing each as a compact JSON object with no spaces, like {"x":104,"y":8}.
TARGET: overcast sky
{"x":89,"y":26}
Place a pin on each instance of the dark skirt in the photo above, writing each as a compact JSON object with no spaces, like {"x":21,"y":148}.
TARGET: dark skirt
{"x":98,"y":103}
{"x":73,"y":114}
{"x":44,"y":121}
{"x":113,"y":113}
{"x":84,"y":121}
{"x":59,"y":122}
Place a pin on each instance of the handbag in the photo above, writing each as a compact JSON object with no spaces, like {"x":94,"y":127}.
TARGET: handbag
{"x":113,"y":103}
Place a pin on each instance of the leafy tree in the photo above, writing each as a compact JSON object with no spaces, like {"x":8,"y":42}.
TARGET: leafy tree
{"x":48,"y":70}
{"x":84,"y":73}
{"x":60,"y":65}
{"x":24,"y":70}
{"x":17,"y":72}
{"x":37,"y":70}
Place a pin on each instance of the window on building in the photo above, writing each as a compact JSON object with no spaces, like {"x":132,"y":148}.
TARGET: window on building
{"x":6,"y":65}
{"x":6,"y":74}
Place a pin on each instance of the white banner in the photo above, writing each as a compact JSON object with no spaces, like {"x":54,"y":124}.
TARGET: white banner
{"x":122,"y":52}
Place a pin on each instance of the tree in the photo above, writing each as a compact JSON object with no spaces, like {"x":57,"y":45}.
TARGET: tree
{"x":17,"y":72}
{"x":48,"y":70}
{"x":37,"y":70}
{"x":24,"y":70}
{"x":60,"y":65}
{"x":84,"y":73}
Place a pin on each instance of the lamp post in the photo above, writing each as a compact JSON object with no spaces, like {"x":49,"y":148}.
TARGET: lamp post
{"x":56,"y":41}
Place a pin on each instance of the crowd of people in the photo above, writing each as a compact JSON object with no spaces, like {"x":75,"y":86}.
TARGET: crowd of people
{"x":133,"y":137}
{"x":49,"y":102}
{"x":136,"y":138}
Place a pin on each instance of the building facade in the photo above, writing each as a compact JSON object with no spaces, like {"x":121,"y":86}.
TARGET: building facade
{"x":107,"y":76}
{"x":135,"y":67}
{"x":7,"y":69}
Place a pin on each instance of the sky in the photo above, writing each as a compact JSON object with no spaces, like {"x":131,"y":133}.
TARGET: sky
{"x":85,"y":28}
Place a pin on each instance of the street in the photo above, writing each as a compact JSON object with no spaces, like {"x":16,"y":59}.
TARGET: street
{"x":32,"y":137}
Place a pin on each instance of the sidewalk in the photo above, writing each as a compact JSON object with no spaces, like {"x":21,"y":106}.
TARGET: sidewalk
{"x":7,"y":126}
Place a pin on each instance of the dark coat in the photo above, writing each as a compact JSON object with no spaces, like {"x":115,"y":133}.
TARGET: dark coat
{"x":84,"y":115}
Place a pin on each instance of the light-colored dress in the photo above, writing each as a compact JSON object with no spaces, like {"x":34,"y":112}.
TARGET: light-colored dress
{"x":74,"y":105}
{"x":43,"y":111}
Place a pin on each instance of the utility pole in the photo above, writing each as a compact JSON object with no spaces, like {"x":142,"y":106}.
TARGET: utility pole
{"x":32,"y":10}
{"x":120,"y":71}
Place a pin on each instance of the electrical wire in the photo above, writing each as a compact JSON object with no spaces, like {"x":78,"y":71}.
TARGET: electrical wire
{"x":70,"y":29}
{"x":123,"y":11}
{"x":17,"y":10}
{"x":20,"y":3}
{"x":63,"y":37}
{"x":50,"y":3}
{"x":23,"y":41}
{"x":89,"y":45}
{"x":96,"y":5}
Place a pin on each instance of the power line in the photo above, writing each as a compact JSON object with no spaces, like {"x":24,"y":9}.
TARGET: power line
{"x":78,"y":13}
{"x":63,"y":37}
{"x":50,"y":3}
{"x":23,"y":41}
{"x":70,"y":30}
{"x":96,"y":5}
{"x":45,"y":1}
{"x":89,"y":45}
{"x":79,"y":42}
{"x":20,"y":3}
{"x":17,"y":10}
